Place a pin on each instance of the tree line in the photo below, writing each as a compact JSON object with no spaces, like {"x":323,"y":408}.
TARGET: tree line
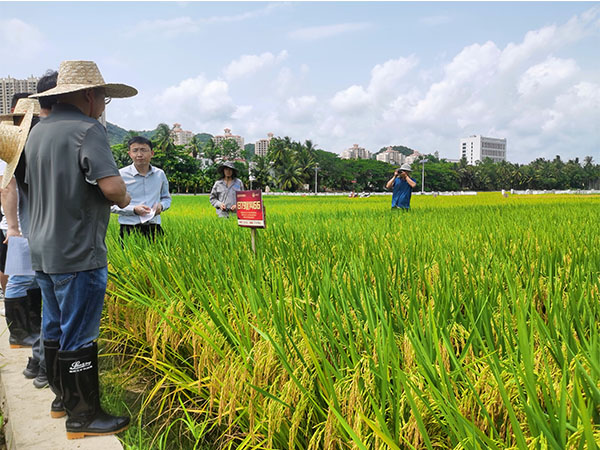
{"x":291,"y":166}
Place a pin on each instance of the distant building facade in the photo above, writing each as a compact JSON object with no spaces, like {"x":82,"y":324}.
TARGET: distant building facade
{"x":477,"y":148}
{"x":391,"y":156}
{"x":396,"y":158}
{"x":261,"y":147}
{"x":10,"y":86}
{"x":219,"y":139}
{"x":355,"y":152}
{"x":179,"y":136}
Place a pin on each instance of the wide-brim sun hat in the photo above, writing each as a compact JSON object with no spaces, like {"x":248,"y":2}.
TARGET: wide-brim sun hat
{"x":76,"y":76}
{"x":406,"y":167}
{"x":21,"y":108}
{"x":12,"y":143}
{"x":229,"y":165}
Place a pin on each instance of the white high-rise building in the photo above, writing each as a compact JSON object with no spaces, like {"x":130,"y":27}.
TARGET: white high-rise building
{"x":477,"y":148}
{"x":261,"y":147}
{"x":239,"y":139}
{"x":10,"y":86}
{"x":355,"y":152}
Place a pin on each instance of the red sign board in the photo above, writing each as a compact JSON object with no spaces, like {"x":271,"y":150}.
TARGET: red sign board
{"x":250,"y":209}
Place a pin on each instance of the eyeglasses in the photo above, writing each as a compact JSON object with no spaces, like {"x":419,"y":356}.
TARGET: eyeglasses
{"x":140,"y":150}
{"x":107,"y":100}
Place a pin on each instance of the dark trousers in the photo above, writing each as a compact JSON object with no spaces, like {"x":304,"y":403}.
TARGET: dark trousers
{"x":150,"y":230}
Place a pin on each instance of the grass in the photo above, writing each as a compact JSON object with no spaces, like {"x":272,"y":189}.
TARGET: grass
{"x":469,"y":322}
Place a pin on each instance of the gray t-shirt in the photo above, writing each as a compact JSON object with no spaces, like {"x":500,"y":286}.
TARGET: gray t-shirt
{"x":66,"y":153}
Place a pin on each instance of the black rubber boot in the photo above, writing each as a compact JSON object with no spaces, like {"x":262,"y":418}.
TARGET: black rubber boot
{"x":17,"y":318}
{"x":57,"y":409}
{"x":41,"y":381}
{"x":33,"y":368}
{"x":35,"y":310}
{"x":81,"y":395}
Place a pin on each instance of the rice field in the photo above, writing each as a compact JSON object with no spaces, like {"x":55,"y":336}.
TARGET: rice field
{"x":466,"y":323}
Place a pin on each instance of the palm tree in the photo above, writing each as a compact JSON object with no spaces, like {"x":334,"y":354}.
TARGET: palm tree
{"x":195,"y":146}
{"x":290,"y":175}
{"x":211,"y":151}
{"x":262,"y":171}
{"x":163,"y":138}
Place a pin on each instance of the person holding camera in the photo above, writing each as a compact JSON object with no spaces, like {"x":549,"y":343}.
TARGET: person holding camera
{"x":402,"y":185}
{"x":222,"y":195}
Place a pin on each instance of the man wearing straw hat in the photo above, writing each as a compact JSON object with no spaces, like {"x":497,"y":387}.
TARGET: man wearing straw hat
{"x":73,"y":181}
{"x":22,"y":293}
{"x":17,"y":307}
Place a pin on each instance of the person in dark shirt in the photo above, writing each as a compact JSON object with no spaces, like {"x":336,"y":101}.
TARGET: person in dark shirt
{"x":402,"y":185}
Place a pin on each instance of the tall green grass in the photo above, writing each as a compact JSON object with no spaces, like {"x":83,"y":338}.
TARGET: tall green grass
{"x":469,"y":322}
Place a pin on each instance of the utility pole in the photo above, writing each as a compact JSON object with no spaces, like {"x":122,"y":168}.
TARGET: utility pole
{"x":316,"y":170}
{"x":423,"y":161}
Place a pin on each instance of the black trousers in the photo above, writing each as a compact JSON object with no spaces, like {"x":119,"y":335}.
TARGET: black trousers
{"x":150,"y":230}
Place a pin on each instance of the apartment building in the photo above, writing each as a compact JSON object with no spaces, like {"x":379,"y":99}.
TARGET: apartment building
{"x":219,"y":139}
{"x":355,"y":152}
{"x":179,"y":136}
{"x":10,"y":86}
{"x":261,"y":147}
{"x":391,"y":156}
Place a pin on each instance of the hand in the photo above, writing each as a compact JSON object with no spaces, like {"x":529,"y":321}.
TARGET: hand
{"x":10,"y":233}
{"x":141,"y":210}
{"x":223,"y":207}
{"x":403,"y":175}
{"x":233,"y":207}
{"x":396,"y":173}
{"x":159,"y":209}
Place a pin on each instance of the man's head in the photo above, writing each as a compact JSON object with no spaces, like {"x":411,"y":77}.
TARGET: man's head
{"x":15,"y":99}
{"x":80,"y":84}
{"x":47,"y":82}
{"x":140,"y":150}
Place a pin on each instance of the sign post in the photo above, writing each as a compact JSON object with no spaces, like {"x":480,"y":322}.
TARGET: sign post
{"x":250,"y":212}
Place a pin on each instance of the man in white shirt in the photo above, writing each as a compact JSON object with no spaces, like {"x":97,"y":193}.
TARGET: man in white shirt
{"x":149,"y":190}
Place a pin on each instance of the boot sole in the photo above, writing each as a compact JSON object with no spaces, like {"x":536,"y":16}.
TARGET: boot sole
{"x":82,"y":434}
{"x":58,"y":414}
{"x":20,"y":346}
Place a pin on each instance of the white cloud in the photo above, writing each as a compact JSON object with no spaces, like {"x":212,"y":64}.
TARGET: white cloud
{"x":385,"y":77}
{"x":326,"y":31}
{"x":249,"y":15}
{"x":196,"y":99}
{"x":167,"y":28}
{"x":176,"y":26}
{"x":20,"y":40}
{"x":546,"y":75}
{"x":249,"y":64}
{"x":351,"y":100}
{"x":301,"y":108}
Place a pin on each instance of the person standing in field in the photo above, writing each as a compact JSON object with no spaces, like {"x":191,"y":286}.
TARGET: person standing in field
{"x":402,"y":185}
{"x":149,"y":190}
{"x":222,"y":195}
{"x":73,"y":180}
{"x":23,"y":287}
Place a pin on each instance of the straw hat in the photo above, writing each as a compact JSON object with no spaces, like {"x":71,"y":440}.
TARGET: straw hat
{"x":12,"y":142}
{"x":76,"y":76}
{"x":21,"y":108}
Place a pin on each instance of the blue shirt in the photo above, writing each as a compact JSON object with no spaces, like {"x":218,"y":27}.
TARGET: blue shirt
{"x":401,"y":194}
{"x":148,"y":190}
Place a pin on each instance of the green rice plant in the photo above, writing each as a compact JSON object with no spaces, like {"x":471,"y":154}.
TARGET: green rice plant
{"x":469,"y":322}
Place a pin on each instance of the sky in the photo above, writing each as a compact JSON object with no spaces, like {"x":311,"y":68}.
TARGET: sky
{"x":419,"y":74}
